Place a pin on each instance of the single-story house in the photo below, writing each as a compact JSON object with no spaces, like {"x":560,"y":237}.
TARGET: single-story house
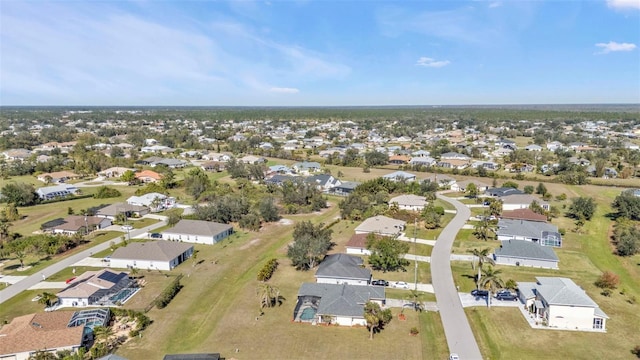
{"x":323,"y":182}
{"x":216,"y":166}
{"x":49,"y":332}
{"x":148,"y":176}
{"x":543,"y":233}
{"x":251,"y":159}
{"x":523,"y":214}
{"x":503,"y":191}
{"x":56,"y":191}
{"x":216,"y":157}
{"x":306,"y":167}
{"x":443,"y":181}
{"x":560,"y":303}
{"x":114,"y":172}
{"x":111,"y":211}
{"x":58,"y":176}
{"x":153,"y":255}
{"x":345,"y":188}
{"x":198,"y":231}
{"x":525,"y":253}
{"x":357,"y":245}
{"x":76,"y":224}
{"x":279,"y":179}
{"x":400,"y":176}
{"x":381,"y":225}
{"x":343,"y":269}
{"x":94,"y":288}
{"x":398,"y":159}
{"x":454,"y":156}
{"x":422,"y":161}
{"x":521,"y":201}
{"x":461,"y":186}
{"x":409,"y":202}
{"x":454,"y":164}
{"x":154,"y":201}
{"x":340,"y":304}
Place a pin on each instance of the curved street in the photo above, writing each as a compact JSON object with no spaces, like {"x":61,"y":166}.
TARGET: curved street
{"x":456,"y":325}
{"x":26,"y":283}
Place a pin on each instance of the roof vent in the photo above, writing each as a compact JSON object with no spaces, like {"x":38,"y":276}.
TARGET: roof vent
{"x":36,"y":324}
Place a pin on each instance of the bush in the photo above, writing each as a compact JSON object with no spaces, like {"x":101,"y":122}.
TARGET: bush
{"x":636,"y":351}
{"x":105,"y":192}
{"x":414,"y":331}
{"x":168,"y":294}
{"x":608,"y":281}
{"x":267,"y":270}
{"x":561,"y":197}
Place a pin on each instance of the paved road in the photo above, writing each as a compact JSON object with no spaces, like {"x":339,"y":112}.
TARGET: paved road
{"x":456,"y":326}
{"x":32,"y":280}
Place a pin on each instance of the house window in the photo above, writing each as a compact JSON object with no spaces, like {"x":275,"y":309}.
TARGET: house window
{"x":598,"y":323}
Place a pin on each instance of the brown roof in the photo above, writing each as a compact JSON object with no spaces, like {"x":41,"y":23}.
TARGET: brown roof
{"x":523,"y":214}
{"x":77,"y":222}
{"x":148,"y":173}
{"x":89,"y":283}
{"x":60,"y":174}
{"x":41,"y":331}
{"x":359,"y":241}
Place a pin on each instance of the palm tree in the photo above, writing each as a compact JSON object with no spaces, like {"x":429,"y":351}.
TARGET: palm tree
{"x":134,"y":272}
{"x":376,"y":317}
{"x":269,"y":296}
{"x":47,"y":299}
{"x":103,"y":334}
{"x":415,"y":296}
{"x":482,"y":231}
{"x":491,"y":281}
{"x":194,"y":256}
{"x":483,"y":256}
{"x":21,"y":255}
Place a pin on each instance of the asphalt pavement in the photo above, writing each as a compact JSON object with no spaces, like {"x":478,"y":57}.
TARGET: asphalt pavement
{"x":31,"y":281}
{"x":456,"y":325}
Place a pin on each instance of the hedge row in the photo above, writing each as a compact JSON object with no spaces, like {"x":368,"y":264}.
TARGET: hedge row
{"x":267,"y":270}
{"x":168,"y":294}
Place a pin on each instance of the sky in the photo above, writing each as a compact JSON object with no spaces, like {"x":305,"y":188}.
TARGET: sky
{"x":318,"y":53}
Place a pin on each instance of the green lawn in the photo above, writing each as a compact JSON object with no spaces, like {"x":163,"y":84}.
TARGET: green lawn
{"x":139,"y":224}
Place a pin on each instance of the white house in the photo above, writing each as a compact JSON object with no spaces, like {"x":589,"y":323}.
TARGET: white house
{"x":400,"y":176}
{"x":94,"y":288}
{"x":56,"y":191}
{"x":381,"y":225}
{"x":154,"y":201}
{"x":559,"y":303}
{"x":343,"y":269}
{"x":521,"y":201}
{"x":339,"y":304}
{"x":524,"y":230}
{"x":153,"y":255}
{"x":409,"y":202}
{"x":198,"y":231}
{"x":357,"y":245}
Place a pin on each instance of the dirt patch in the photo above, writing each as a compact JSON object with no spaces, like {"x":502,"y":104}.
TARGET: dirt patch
{"x":250,"y":244}
{"x":285,"y":222}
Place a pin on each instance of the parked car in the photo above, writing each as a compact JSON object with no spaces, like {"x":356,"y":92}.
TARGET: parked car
{"x":106,"y":258}
{"x":401,"y":284}
{"x":127,"y":227}
{"x":479,"y":292}
{"x":506,"y":296}
{"x":155,"y":236}
{"x":380,"y":282}
{"x":454,"y":357}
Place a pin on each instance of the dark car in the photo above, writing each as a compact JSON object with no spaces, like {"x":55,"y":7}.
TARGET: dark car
{"x":479,"y":292}
{"x":506,"y":296}
{"x":380,"y":283}
{"x":156,"y":236}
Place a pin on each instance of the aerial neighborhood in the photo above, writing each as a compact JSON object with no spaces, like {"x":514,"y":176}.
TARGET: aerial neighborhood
{"x":145,"y":233}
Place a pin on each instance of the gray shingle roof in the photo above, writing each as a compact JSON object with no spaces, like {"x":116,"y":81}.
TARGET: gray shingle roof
{"x":525,"y":250}
{"x":343,"y":266}
{"x":500,"y":192}
{"x":409,"y":200}
{"x":153,"y":250}
{"x":198,"y":227}
{"x":382,"y":225}
{"x":563,"y":291}
{"x":342,"y":299}
{"x":528,"y":229}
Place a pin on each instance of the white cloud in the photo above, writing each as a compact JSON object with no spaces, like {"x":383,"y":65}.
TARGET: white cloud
{"x":495,"y":4}
{"x":613,"y":46}
{"x":284,"y":90}
{"x":430,"y":62}
{"x":624,"y":4}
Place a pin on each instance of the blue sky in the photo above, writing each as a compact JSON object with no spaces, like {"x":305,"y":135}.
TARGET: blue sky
{"x":308,"y":53}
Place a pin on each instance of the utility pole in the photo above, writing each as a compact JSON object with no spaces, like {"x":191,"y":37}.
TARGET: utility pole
{"x":415,"y":259}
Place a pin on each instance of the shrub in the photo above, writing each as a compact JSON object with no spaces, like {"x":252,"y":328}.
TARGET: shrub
{"x":267,"y":270}
{"x":105,"y":192}
{"x":561,"y":197}
{"x":636,"y":351}
{"x":168,"y":294}
{"x":608,"y":281}
{"x":414,"y":331}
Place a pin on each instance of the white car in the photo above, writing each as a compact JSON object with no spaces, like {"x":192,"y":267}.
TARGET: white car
{"x":454,"y":357}
{"x":127,"y":227}
{"x":401,"y":284}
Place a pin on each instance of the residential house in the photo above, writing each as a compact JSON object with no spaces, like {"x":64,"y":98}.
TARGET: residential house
{"x":16,"y":154}
{"x":323,"y":182}
{"x":250,"y":159}
{"x":461,"y":186}
{"x":171,"y":163}
{"x":454,"y":164}
{"x":306,"y":167}
{"x":521,"y":201}
{"x":198,"y":231}
{"x":454,"y":156}
{"x":76,"y":224}
{"x":357,"y":244}
{"x":525,"y":253}
{"x":214,"y":166}
{"x":421,"y":153}
{"x":48,"y":332}
{"x":115,"y":172}
{"x":112,"y":211}
{"x":523,"y":214}
{"x":560,"y":303}
{"x":156,"y":149}
{"x":443,"y":181}
{"x":148,"y":161}
{"x":95,"y":288}
{"x":503,"y":191}
{"x":422,"y":161}
{"x":154,"y":201}
{"x":281,"y":179}
{"x":543,"y":233}
{"x":345,"y":188}
{"x":409,"y":202}
{"x":533,"y":147}
{"x":343,"y":269}
{"x":554,"y":146}
{"x":148,"y":176}
{"x":399,"y":159}
{"x":216,"y":157}
{"x":340,"y":304}
{"x":381,"y":225}
{"x":399,"y":176}
{"x":56,"y":191}
{"x":152,"y":255}
{"x":57,"y":177}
